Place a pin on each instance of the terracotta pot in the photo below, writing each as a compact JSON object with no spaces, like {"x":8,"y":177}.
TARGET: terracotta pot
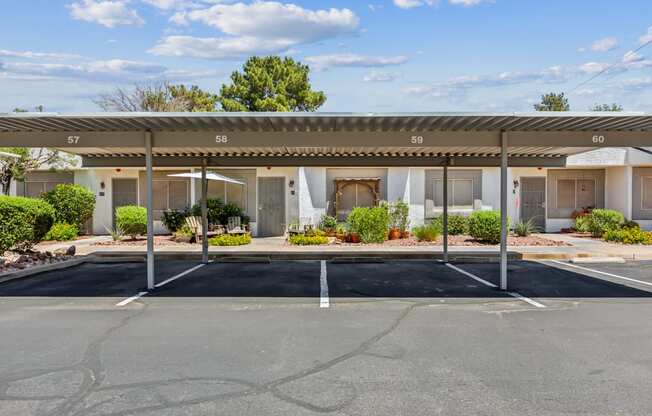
{"x":353,"y":238}
{"x":394,"y":234}
{"x":405,"y":234}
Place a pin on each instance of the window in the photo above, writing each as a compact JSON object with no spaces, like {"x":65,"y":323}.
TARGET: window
{"x":576,"y":194}
{"x":646,"y":192}
{"x":34,"y":189}
{"x":169,"y":195}
{"x":229,"y":192}
{"x":460,"y":193}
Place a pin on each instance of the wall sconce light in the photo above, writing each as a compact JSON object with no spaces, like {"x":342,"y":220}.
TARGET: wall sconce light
{"x":516,"y":185}
{"x":102,"y":185}
{"x":291,"y":183}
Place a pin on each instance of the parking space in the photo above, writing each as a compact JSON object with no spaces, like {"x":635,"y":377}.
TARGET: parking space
{"x":555,"y":280}
{"x":91,"y":280}
{"x":403,"y":279}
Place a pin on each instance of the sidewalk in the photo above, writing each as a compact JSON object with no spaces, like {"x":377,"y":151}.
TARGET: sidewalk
{"x":277,"y":247}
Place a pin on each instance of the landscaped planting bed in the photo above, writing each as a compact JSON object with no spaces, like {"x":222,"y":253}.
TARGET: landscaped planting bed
{"x":467,"y":241}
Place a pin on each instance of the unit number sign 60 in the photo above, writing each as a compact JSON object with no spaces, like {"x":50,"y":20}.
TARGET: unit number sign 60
{"x":599,"y":139}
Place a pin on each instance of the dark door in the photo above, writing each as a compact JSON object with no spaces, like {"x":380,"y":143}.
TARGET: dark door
{"x":271,"y":207}
{"x":125,"y":192}
{"x":533,"y":201}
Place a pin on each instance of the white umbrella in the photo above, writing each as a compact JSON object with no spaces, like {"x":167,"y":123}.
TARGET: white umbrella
{"x":211,"y":176}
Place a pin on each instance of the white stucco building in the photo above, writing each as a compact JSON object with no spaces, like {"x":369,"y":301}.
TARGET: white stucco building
{"x":614,"y":178}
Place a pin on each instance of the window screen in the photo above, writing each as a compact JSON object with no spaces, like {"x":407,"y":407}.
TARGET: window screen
{"x":646,"y":193}
{"x":585,"y":193}
{"x":237,"y":194}
{"x":178,"y":195}
{"x":460,"y":192}
{"x":566,"y":193}
{"x":34,"y":189}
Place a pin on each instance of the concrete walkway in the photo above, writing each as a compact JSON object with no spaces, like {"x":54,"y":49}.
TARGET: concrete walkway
{"x":277,"y":247}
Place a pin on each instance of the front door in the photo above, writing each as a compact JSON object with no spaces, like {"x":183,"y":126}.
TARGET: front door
{"x":271,"y":207}
{"x":533,"y":201}
{"x":125,"y":192}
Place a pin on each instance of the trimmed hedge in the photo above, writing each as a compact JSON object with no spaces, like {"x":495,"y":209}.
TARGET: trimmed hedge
{"x":307,"y":240}
{"x":23,"y":221}
{"x":485,"y":226}
{"x":630,"y":235}
{"x":62,"y":232}
{"x":73,"y":204}
{"x":131,"y":220}
{"x":457,"y":224}
{"x":230,"y":240}
{"x":603,"y":220}
{"x":370,"y":224}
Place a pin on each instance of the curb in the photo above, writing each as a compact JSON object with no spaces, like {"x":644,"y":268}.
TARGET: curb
{"x":5,"y":277}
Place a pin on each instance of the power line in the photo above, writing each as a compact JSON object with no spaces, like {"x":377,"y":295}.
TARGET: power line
{"x":607,"y":68}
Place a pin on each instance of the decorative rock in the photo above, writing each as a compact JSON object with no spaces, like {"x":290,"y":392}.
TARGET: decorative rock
{"x":48,"y":254}
{"x":22,"y":259}
{"x":71,"y":251}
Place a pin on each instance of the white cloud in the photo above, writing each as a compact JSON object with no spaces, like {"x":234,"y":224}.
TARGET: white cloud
{"x":321,"y":62}
{"x":409,"y":4}
{"x":260,"y":27}
{"x":109,"y":13}
{"x":36,"y":55}
{"x":379,"y":76}
{"x":604,"y":45}
{"x":468,"y":3}
{"x":170,"y":4}
{"x":632,"y":56}
{"x":646,"y":37}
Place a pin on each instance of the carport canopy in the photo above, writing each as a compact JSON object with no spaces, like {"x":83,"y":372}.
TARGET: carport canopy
{"x":543,"y":139}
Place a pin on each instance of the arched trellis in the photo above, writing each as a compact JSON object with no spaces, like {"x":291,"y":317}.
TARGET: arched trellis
{"x":341,"y":183}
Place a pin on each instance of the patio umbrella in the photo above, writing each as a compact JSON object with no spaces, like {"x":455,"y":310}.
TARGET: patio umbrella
{"x":211,"y":176}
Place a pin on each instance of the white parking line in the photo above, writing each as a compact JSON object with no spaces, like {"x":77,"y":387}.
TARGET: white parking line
{"x":472,"y":276}
{"x":180,"y":275}
{"x":513,"y":294}
{"x":165,"y":282}
{"x":629,"y":279}
{"x":324,"y":301}
{"x":131,"y":299}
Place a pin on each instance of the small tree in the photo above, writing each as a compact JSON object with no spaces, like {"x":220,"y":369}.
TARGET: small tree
{"x":271,"y":84}
{"x":553,"y":102}
{"x":606,"y":107}
{"x":73,"y":204}
{"x":158,"y":97}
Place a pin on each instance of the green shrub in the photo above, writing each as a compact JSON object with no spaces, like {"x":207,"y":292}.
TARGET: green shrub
{"x":131,"y":220}
{"x":230,"y":240}
{"x":174,"y":219}
{"x":485,"y":226}
{"x":582,"y":223}
{"x":308,"y":240}
{"x":315,"y":232}
{"x":399,"y":215}
{"x":73,"y":204}
{"x":525,"y":228}
{"x":219,"y":212}
{"x":457,"y":224}
{"x":23,"y":221}
{"x":328,"y":223}
{"x":628,"y":225}
{"x":370,"y":224}
{"x":629,"y":236}
{"x":603,"y":220}
{"x":427,"y":232}
{"x":183,"y":234}
{"x":62,"y":232}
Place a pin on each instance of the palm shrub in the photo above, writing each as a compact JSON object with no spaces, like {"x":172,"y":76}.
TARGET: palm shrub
{"x":427,"y":232}
{"x":370,"y":224}
{"x":485,"y":226}
{"x":457,"y":224}
{"x":73,"y":204}
{"x":603,"y":220}
{"x":131,"y":220}
{"x":525,"y":228}
{"x":23,"y":221}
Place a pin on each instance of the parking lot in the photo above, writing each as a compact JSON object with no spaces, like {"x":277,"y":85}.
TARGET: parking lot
{"x":343,"y":338}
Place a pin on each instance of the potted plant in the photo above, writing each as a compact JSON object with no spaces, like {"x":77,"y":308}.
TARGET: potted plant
{"x":328,"y":224}
{"x":341,"y":231}
{"x":402,"y":214}
{"x":394,"y":221}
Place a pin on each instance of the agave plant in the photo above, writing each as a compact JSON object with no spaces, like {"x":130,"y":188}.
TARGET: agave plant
{"x":525,"y":228}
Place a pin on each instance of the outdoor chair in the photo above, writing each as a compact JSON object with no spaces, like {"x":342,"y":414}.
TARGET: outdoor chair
{"x":234,"y":226}
{"x":195,"y":225}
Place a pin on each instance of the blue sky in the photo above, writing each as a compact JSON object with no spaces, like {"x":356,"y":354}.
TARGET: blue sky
{"x":383,"y":55}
